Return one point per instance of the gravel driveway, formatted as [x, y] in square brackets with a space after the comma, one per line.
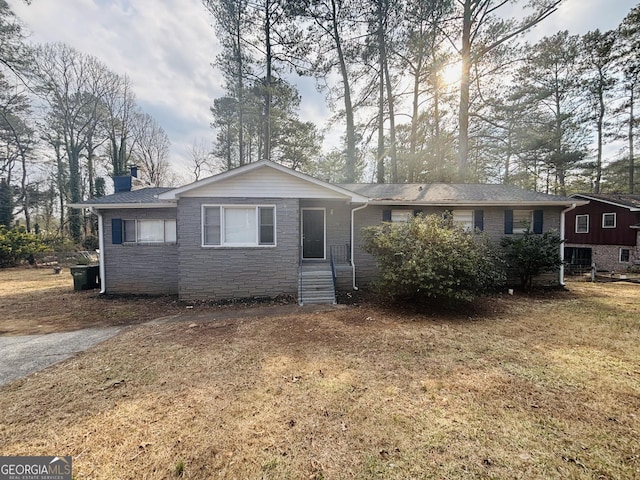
[22, 355]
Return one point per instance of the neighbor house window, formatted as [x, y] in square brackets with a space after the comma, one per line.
[149, 231]
[238, 225]
[582, 223]
[464, 219]
[624, 255]
[522, 220]
[400, 216]
[608, 220]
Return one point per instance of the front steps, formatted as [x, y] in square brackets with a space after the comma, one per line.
[315, 284]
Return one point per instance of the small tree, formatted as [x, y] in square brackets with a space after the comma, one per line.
[532, 254]
[429, 257]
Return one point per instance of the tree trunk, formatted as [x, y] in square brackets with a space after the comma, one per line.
[600, 121]
[392, 122]
[465, 78]
[631, 152]
[380, 173]
[267, 86]
[350, 164]
[240, 87]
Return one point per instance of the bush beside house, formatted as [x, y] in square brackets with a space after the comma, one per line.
[430, 258]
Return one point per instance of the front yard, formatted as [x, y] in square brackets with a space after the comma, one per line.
[524, 387]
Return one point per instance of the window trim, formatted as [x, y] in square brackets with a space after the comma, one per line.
[620, 250]
[615, 220]
[588, 221]
[222, 244]
[137, 231]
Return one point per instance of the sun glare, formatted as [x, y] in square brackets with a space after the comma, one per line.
[450, 74]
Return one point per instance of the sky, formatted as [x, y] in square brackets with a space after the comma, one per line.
[166, 47]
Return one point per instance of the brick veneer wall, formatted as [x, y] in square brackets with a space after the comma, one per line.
[140, 269]
[214, 273]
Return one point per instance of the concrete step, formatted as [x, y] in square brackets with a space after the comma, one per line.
[316, 286]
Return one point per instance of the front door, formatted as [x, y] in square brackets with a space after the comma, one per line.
[313, 233]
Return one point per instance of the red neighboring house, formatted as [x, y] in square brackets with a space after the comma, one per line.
[606, 231]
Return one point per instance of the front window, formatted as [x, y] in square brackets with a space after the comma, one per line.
[401, 216]
[149, 231]
[608, 220]
[463, 219]
[522, 220]
[238, 226]
[582, 223]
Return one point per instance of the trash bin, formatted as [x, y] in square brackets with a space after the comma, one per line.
[85, 277]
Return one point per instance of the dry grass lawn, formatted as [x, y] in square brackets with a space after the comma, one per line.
[37, 301]
[525, 387]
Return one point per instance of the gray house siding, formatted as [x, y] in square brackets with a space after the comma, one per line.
[141, 269]
[215, 273]
[366, 269]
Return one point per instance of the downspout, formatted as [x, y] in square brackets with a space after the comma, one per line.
[562, 237]
[353, 263]
[103, 283]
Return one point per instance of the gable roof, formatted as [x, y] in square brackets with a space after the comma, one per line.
[143, 198]
[282, 182]
[444, 194]
[624, 200]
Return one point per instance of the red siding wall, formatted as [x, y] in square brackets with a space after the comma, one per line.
[621, 235]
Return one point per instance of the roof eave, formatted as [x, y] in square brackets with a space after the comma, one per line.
[468, 203]
[111, 206]
[609, 202]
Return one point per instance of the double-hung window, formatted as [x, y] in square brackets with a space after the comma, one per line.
[463, 219]
[238, 225]
[401, 215]
[582, 223]
[608, 220]
[522, 220]
[149, 231]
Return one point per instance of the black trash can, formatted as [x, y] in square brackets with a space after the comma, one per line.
[85, 277]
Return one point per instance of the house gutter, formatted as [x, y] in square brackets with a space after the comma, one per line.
[562, 237]
[353, 263]
[103, 283]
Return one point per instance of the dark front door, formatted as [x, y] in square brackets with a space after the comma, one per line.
[313, 234]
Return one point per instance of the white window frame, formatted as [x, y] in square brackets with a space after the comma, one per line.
[467, 226]
[586, 215]
[223, 244]
[517, 229]
[615, 220]
[401, 215]
[138, 221]
[628, 255]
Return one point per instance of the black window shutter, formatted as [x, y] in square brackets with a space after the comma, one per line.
[478, 220]
[537, 221]
[386, 215]
[508, 221]
[116, 231]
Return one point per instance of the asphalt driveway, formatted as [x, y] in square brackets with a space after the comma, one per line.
[22, 355]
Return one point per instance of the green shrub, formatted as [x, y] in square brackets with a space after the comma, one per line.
[430, 258]
[16, 245]
[531, 254]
